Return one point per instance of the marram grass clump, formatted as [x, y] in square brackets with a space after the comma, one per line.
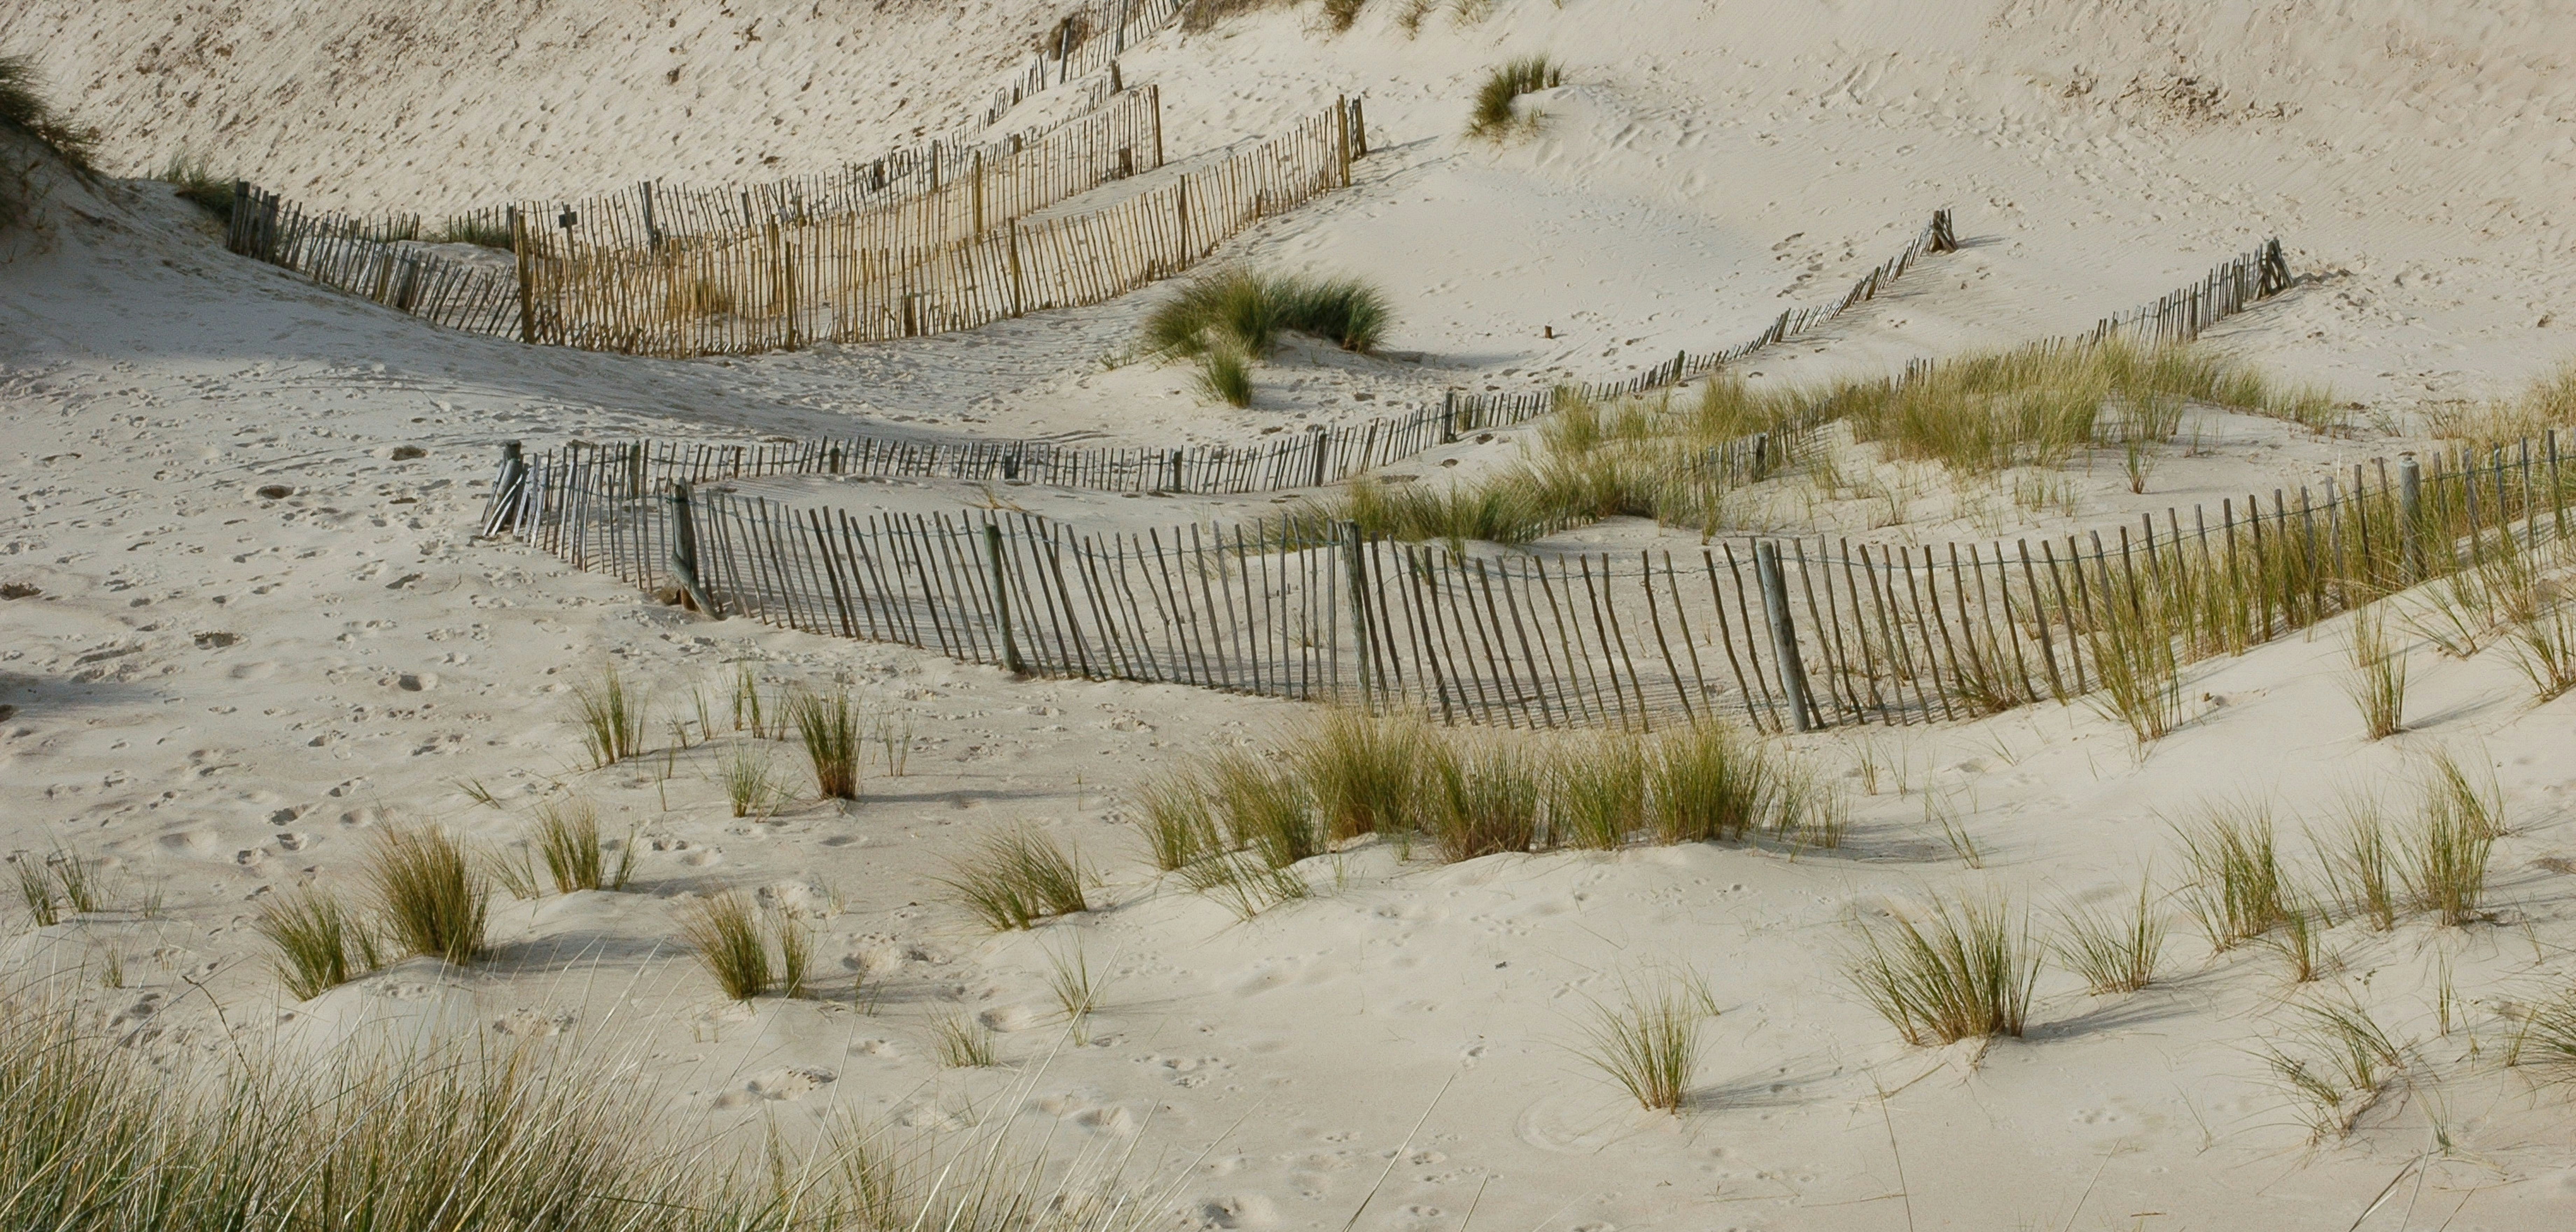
[1246, 311]
[1954, 971]
[1496, 113]
[428, 895]
[1468, 795]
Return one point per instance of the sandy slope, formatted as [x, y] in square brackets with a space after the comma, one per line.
[225, 692]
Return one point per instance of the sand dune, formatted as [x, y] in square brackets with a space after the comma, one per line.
[251, 626]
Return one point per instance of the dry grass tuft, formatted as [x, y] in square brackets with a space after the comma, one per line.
[1244, 312]
[1077, 988]
[1596, 794]
[2337, 1061]
[2446, 863]
[2238, 890]
[1649, 1042]
[1015, 879]
[1366, 774]
[830, 727]
[1265, 806]
[1245, 883]
[1965, 971]
[612, 718]
[1712, 783]
[1225, 375]
[961, 1041]
[1484, 800]
[319, 945]
[468, 1138]
[25, 110]
[568, 838]
[2377, 684]
[198, 185]
[724, 930]
[750, 781]
[429, 896]
[2114, 954]
[1495, 114]
[2362, 864]
[1173, 812]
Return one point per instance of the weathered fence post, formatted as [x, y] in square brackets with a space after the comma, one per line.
[1784, 635]
[1342, 125]
[2557, 492]
[527, 273]
[1359, 128]
[652, 233]
[1173, 482]
[684, 551]
[1943, 240]
[2410, 506]
[1019, 305]
[506, 488]
[1002, 600]
[1449, 417]
[1358, 570]
[1317, 437]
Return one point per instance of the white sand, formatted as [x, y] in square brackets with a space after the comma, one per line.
[224, 693]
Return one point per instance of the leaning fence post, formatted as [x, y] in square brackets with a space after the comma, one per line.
[684, 551]
[1784, 636]
[1002, 600]
[1352, 564]
[2410, 506]
[506, 488]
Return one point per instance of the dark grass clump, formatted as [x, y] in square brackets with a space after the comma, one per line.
[1495, 115]
[198, 185]
[1225, 375]
[25, 110]
[473, 229]
[1247, 311]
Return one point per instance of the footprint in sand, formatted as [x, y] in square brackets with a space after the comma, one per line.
[1240, 1211]
[790, 1083]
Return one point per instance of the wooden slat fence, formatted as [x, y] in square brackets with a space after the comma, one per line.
[940, 195]
[842, 278]
[1786, 633]
[1085, 41]
[1509, 408]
